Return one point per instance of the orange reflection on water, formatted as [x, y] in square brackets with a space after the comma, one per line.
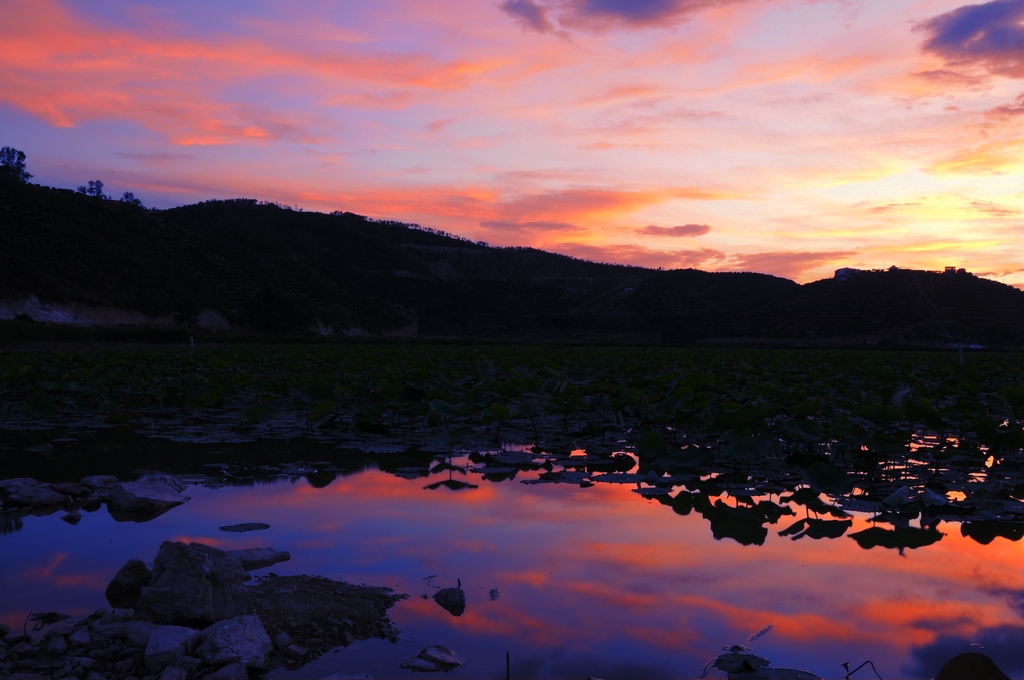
[48, 569]
[54, 575]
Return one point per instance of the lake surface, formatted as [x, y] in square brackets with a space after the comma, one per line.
[597, 581]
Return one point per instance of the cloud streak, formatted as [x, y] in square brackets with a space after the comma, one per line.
[682, 231]
[600, 15]
[529, 14]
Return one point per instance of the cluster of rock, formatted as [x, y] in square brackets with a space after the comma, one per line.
[188, 617]
[118, 645]
[135, 501]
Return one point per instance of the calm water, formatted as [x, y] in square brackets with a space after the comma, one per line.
[593, 581]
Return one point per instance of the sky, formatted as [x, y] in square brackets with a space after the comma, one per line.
[789, 137]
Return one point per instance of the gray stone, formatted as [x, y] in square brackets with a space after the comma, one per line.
[80, 637]
[194, 584]
[258, 558]
[241, 639]
[108, 631]
[145, 499]
[452, 599]
[234, 671]
[138, 632]
[432, 659]
[94, 500]
[282, 640]
[124, 665]
[172, 673]
[167, 644]
[441, 656]
[98, 481]
[59, 629]
[124, 589]
[57, 646]
[24, 492]
[69, 489]
[416, 664]
[62, 672]
[189, 664]
[21, 649]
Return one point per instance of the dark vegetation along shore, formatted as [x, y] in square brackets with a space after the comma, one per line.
[264, 267]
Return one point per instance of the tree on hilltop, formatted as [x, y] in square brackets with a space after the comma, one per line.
[12, 165]
[130, 199]
[95, 189]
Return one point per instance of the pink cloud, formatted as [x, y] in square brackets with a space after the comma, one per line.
[682, 231]
[787, 264]
[625, 253]
[531, 231]
[945, 77]
[597, 15]
[1008, 111]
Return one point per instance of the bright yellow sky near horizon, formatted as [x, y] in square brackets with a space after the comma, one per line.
[790, 137]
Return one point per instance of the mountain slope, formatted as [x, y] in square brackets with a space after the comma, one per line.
[265, 266]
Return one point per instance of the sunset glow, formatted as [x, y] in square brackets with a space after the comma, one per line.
[787, 137]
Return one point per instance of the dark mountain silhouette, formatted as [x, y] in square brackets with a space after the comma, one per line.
[269, 267]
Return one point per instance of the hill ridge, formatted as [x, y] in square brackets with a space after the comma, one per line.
[265, 266]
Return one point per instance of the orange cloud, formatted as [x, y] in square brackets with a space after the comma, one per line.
[994, 158]
[575, 205]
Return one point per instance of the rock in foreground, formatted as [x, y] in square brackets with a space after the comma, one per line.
[252, 559]
[317, 613]
[145, 499]
[194, 585]
[433, 659]
[452, 599]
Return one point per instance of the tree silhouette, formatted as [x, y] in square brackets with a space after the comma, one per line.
[130, 199]
[95, 189]
[12, 165]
